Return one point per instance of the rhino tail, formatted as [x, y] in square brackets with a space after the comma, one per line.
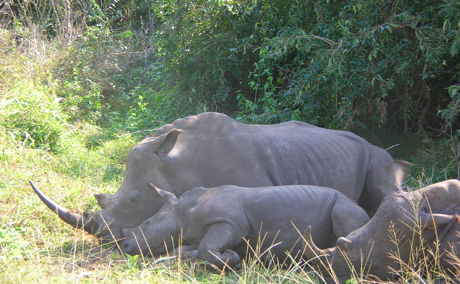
[400, 169]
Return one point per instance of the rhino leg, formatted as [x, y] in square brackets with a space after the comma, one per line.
[347, 216]
[186, 252]
[213, 247]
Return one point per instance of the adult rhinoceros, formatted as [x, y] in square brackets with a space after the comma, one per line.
[212, 149]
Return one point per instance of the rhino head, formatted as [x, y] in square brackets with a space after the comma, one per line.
[158, 233]
[148, 162]
[401, 223]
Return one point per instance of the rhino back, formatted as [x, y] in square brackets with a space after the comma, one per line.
[219, 124]
[207, 122]
[215, 149]
[279, 213]
[269, 211]
[272, 156]
[215, 123]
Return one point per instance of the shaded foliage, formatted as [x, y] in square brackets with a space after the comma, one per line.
[333, 63]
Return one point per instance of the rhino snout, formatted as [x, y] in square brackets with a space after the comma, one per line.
[130, 248]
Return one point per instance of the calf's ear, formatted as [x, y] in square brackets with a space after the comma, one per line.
[103, 199]
[168, 196]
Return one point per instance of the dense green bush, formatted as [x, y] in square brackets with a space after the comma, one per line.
[333, 63]
[206, 50]
[437, 161]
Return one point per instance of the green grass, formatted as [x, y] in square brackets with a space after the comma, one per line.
[36, 246]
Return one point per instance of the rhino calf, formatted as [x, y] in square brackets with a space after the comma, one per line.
[404, 229]
[221, 222]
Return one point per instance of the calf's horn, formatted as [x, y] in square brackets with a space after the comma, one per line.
[430, 220]
[76, 220]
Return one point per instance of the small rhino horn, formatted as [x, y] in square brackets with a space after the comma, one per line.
[343, 243]
[430, 220]
[103, 199]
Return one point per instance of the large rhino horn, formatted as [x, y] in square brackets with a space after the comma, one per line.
[76, 220]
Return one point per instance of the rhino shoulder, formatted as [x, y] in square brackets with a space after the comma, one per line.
[207, 123]
[193, 194]
[296, 123]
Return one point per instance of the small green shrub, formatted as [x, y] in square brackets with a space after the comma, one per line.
[435, 162]
[117, 148]
[103, 161]
[451, 112]
[32, 115]
[12, 243]
[81, 101]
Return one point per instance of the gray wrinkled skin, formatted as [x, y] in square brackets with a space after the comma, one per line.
[212, 149]
[431, 211]
[214, 221]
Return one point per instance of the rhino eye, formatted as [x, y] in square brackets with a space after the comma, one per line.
[134, 197]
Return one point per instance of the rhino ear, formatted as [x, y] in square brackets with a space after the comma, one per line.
[431, 220]
[103, 199]
[344, 244]
[168, 196]
[166, 142]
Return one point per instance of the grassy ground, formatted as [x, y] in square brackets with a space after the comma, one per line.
[38, 247]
